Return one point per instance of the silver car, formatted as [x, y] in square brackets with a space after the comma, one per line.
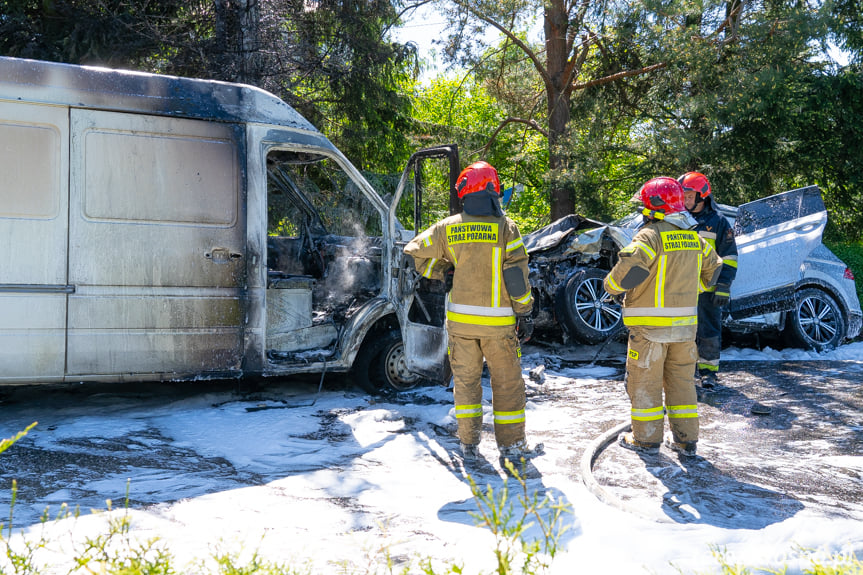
[787, 280]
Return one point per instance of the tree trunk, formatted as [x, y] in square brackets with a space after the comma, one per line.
[250, 42]
[558, 92]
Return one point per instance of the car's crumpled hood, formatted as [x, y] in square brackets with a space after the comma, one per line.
[579, 234]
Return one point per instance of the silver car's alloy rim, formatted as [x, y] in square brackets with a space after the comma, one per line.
[818, 319]
[594, 306]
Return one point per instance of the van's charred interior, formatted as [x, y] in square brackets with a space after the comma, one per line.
[324, 255]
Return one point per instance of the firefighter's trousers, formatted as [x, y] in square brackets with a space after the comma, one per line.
[503, 356]
[709, 338]
[651, 368]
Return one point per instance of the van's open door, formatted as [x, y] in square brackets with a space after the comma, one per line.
[774, 236]
[425, 194]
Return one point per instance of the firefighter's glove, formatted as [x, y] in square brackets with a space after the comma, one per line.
[617, 298]
[524, 328]
[721, 295]
[447, 278]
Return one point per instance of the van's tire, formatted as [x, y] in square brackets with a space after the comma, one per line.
[380, 365]
[584, 309]
[816, 322]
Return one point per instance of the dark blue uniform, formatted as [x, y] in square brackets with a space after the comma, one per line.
[716, 230]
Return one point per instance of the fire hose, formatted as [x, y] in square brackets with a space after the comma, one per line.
[590, 456]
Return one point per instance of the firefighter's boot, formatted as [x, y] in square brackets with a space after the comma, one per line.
[469, 451]
[628, 441]
[684, 448]
[708, 379]
[518, 451]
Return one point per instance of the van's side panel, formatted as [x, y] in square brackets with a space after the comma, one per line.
[34, 152]
[157, 245]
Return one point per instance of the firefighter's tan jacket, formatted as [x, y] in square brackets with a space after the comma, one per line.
[662, 271]
[481, 249]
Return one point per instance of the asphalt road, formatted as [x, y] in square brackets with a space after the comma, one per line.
[752, 470]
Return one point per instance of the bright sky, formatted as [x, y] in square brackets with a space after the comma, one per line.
[422, 27]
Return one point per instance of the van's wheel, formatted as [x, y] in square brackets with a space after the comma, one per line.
[584, 309]
[816, 322]
[380, 366]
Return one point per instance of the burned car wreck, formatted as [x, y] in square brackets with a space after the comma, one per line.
[788, 282]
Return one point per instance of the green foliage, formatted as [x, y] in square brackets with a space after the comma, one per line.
[107, 32]
[838, 564]
[464, 112]
[117, 551]
[513, 552]
[852, 255]
[846, 26]
[7, 443]
[330, 59]
[230, 563]
[353, 80]
[828, 153]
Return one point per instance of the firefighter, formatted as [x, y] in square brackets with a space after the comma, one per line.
[488, 309]
[716, 230]
[661, 272]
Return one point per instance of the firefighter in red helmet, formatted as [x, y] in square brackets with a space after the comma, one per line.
[661, 272]
[715, 229]
[488, 309]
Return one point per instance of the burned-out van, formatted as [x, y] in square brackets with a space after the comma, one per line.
[162, 228]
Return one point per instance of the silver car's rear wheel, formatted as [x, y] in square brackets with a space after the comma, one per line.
[817, 321]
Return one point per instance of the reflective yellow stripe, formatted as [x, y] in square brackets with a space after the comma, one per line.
[649, 414]
[514, 244]
[660, 321]
[495, 277]
[452, 253]
[639, 246]
[682, 411]
[482, 310]
[646, 249]
[613, 284]
[480, 319]
[701, 286]
[706, 364]
[466, 411]
[730, 261]
[503, 417]
[660, 282]
[525, 299]
[427, 242]
[429, 268]
[661, 311]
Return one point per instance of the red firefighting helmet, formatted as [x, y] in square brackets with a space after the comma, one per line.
[663, 195]
[695, 182]
[477, 177]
